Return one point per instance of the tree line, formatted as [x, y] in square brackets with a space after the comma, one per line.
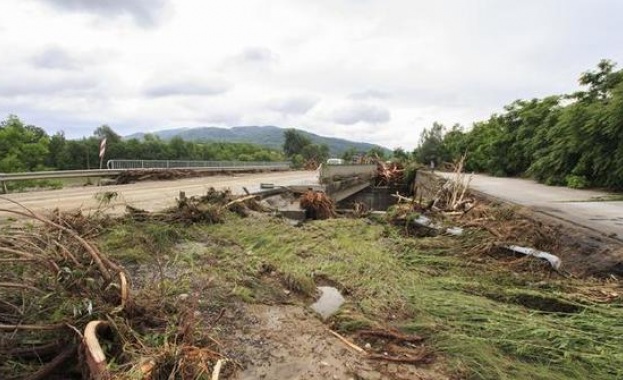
[29, 148]
[573, 139]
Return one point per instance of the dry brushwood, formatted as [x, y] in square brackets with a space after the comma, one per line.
[137, 175]
[317, 205]
[60, 294]
[208, 208]
[65, 282]
[452, 194]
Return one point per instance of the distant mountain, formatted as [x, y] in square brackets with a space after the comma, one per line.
[268, 136]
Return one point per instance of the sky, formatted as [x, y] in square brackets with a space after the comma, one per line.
[366, 70]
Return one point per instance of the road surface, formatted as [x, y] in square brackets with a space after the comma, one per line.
[149, 195]
[576, 206]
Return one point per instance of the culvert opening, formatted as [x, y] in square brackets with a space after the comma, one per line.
[374, 198]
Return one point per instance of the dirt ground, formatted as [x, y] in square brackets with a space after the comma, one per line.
[472, 309]
[291, 342]
[148, 195]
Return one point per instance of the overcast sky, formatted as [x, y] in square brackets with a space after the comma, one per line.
[367, 70]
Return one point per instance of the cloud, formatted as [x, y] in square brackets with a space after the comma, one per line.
[146, 13]
[361, 112]
[11, 86]
[296, 105]
[253, 57]
[54, 58]
[369, 94]
[187, 86]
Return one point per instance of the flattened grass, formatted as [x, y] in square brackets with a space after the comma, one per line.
[487, 321]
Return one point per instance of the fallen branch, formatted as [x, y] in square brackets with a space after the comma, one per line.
[348, 343]
[20, 286]
[46, 370]
[40, 351]
[403, 198]
[57, 326]
[241, 200]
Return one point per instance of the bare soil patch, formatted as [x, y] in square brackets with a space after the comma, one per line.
[290, 342]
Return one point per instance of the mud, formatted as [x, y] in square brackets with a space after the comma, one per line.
[289, 342]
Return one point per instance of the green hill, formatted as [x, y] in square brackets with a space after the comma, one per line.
[268, 136]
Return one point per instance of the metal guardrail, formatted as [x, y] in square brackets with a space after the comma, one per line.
[58, 174]
[118, 166]
[174, 164]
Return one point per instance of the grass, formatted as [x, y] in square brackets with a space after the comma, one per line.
[488, 322]
[485, 321]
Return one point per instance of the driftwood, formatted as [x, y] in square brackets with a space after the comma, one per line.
[452, 194]
[242, 200]
[403, 198]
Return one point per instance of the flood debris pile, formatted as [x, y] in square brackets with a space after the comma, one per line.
[132, 176]
[67, 311]
[508, 233]
[389, 174]
[317, 205]
[138, 175]
[208, 208]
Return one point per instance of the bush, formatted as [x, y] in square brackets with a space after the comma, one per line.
[576, 181]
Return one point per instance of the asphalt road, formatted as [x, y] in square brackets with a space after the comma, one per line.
[572, 205]
[149, 195]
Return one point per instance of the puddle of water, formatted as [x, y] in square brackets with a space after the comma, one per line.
[329, 302]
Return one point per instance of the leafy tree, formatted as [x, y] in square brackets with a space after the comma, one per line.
[454, 143]
[315, 152]
[376, 152]
[431, 147]
[294, 142]
[574, 140]
[22, 147]
[349, 154]
[106, 131]
[399, 154]
[57, 151]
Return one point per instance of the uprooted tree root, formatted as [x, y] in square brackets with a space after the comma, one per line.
[389, 174]
[60, 295]
[317, 205]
